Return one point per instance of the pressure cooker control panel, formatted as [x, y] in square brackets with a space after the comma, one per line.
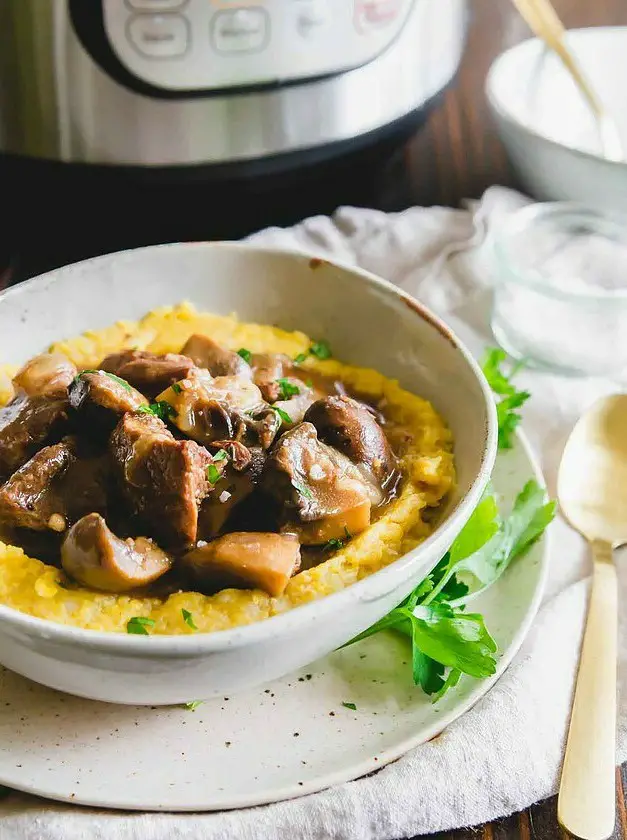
[195, 45]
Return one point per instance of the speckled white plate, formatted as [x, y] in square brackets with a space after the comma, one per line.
[283, 740]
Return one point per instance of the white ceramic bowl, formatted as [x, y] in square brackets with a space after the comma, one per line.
[546, 127]
[367, 321]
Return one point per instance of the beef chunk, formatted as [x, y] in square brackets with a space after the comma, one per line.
[48, 374]
[163, 479]
[351, 427]
[92, 555]
[99, 401]
[237, 483]
[26, 424]
[322, 493]
[206, 354]
[245, 560]
[55, 488]
[148, 372]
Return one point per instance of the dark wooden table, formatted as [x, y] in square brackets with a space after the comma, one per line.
[469, 158]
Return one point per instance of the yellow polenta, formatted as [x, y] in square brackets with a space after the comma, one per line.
[29, 585]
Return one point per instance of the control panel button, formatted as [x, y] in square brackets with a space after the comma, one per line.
[312, 17]
[240, 30]
[373, 14]
[159, 36]
[156, 5]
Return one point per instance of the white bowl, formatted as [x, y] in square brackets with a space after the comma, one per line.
[368, 322]
[547, 129]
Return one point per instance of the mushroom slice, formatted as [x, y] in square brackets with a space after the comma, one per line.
[246, 560]
[48, 374]
[100, 399]
[350, 427]
[323, 494]
[208, 409]
[205, 353]
[95, 557]
[267, 369]
[298, 398]
[148, 372]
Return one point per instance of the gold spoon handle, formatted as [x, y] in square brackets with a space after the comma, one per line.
[586, 806]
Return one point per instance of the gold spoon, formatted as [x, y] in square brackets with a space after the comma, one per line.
[592, 490]
[544, 21]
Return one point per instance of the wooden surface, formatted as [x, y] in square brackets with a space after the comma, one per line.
[460, 138]
[468, 158]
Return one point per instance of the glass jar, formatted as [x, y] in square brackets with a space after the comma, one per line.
[560, 297]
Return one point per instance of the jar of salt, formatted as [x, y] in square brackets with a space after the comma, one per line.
[560, 298]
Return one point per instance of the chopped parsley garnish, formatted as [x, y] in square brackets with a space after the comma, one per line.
[193, 705]
[221, 455]
[213, 474]
[285, 417]
[304, 491]
[501, 383]
[115, 378]
[245, 354]
[336, 543]
[161, 409]
[118, 379]
[319, 349]
[137, 625]
[177, 388]
[350, 706]
[287, 389]
[188, 619]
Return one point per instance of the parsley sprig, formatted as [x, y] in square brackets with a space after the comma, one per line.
[501, 383]
[447, 640]
[443, 634]
[245, 354]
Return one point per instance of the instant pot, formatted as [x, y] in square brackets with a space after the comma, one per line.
[130, 122]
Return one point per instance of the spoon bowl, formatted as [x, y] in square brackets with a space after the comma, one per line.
[592, 481]
[592, 490]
